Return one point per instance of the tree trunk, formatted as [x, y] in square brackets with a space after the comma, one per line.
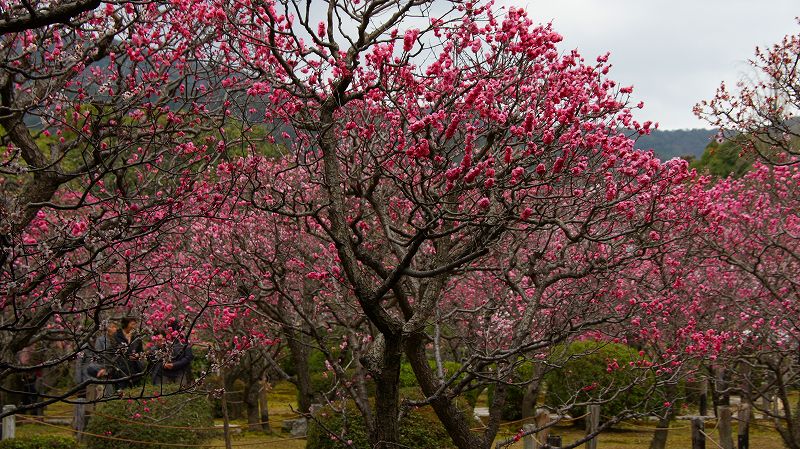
[531, 396]
[453, 420]
[251, 402]
[713, 391]
[659, 440]
[226, 431]
[232, 402]
[703, 405]
[725, 427]
[263, 406]
[721, 387]
[386, 432]
[299, 354]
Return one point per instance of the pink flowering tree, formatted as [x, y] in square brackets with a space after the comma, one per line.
[287, 283]
[426, 147]
[548, 287]
[764, 106]
[754, 233]
[682, 326]
[755, 227]
[249, 270]
[106, 114]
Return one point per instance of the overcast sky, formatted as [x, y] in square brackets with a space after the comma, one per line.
[675, 52]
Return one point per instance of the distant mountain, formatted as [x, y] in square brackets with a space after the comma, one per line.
[677, 143]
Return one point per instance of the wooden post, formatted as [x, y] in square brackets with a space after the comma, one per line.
[703, 398]
[592, 423]
[724, 427]
[9, 423]
[744, 427]
[698, 437]
[537, 440]
[528, 441]
[79, 418]
[226, 428]
[554, 442]
[766, 406]
[722, 387]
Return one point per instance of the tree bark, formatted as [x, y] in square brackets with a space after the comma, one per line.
[226, 431]
[264, 406]
[529, 400]
[386, 428]
[299, 354]
[659, 440]
[251, 393]
[232, 408]
[452, 418]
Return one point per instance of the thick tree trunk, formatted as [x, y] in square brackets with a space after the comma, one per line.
[721, 386]
[659, 440]
[453, 420]
[226, 431]
[264, 406]
[251, 402]
[713, 390]
[232, 396]
[703, 405]
[532, 393]
[386, 431]
[299, 354]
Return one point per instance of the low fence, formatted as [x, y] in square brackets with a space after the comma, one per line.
[534, 435]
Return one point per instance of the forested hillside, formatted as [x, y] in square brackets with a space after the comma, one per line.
[677, 143]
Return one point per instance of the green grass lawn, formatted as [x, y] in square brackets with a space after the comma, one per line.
[630, 437]
[282, 403]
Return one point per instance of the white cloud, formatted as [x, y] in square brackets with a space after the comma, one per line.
[675, 52]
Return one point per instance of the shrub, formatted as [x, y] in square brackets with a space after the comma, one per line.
[515, 394]
[419, 429]
[40, 442]
[512, 407]
[321, 381]
[408, 379]
[181, 418]
[586, 373]
[200, 363]
[234, 393]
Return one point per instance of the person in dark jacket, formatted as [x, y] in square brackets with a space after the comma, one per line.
[105, 359]
[97, 371]
[106, 344]
[130, 347]
[175, 366]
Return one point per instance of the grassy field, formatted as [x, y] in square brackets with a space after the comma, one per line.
[630, 437]
[282, 402]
